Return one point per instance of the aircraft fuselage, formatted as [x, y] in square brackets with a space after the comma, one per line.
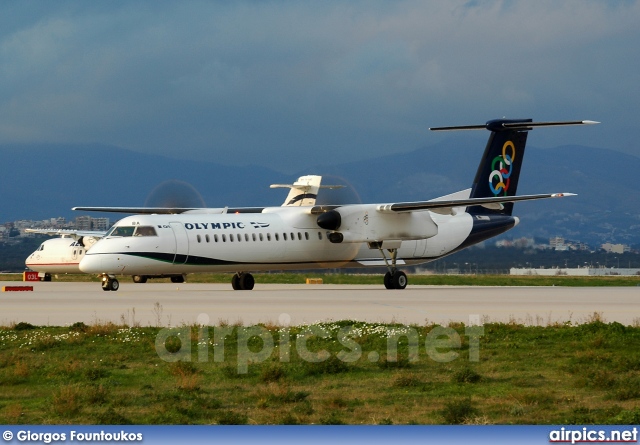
[276, 239]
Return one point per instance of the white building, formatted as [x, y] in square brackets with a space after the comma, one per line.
[580, 271]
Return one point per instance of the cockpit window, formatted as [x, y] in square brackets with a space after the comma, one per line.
[122, 231]
[145, 231]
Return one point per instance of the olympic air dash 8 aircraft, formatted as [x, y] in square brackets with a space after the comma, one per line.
[304, 235]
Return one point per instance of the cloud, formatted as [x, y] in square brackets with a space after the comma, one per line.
[292, 85]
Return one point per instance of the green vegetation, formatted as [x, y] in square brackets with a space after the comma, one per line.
[110, 374]
[362, 279]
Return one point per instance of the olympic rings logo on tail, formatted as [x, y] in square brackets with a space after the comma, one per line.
[502, 166]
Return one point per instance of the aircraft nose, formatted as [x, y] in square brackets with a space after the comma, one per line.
[90, 264]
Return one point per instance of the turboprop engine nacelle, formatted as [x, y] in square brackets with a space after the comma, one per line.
[88, 241]
[361, 224]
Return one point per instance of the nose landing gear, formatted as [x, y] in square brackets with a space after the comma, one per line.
[110, 283]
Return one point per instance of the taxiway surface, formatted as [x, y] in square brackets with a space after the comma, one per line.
[165, 304]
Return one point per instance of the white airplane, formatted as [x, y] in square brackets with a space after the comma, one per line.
[63, 254]
[293, 237]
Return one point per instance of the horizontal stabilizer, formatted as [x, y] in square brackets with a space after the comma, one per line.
[304, 191]
[504, 124]
[491, 203]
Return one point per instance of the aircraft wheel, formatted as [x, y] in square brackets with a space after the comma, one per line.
[242, 281]
[139, 279]
[177, 279]
[388, 281]
[246, 281]
[110, 284]
[47, 277]
[235, 282]
[399, 280]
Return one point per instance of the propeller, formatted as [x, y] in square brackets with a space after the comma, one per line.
[337, 196]
[174, 193]
[331, 220]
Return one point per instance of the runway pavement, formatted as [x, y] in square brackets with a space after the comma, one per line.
[165, 304]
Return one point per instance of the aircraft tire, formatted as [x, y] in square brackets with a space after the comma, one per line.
[246, 281]
[139, 279]
[388, 281]
[399, 280]
[115, 285]
[177, 279]
[235, 282]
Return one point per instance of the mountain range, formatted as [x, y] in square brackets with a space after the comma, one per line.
[43, 181]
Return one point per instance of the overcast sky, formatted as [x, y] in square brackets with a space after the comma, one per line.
[295, 84]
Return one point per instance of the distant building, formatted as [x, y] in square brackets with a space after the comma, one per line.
[83, 222]
[519, 243]
[89, 223]
[615, 248]
[100, 224]
[579, 271]
[557, 243]
[560, 244]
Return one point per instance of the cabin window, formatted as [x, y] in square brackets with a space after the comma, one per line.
[224, 238]
[206, 238]
[319, 235]
[145, 231]
[284, 236]
[268, 237]
[231, 237]
[299, 236]
[260, 235]
[253, 236]
[246, 237]
[306, 236]
[198, 238]
[215, 238]
[122, 231]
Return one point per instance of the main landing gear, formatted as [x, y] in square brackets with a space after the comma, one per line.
[242, 281]
[110, 282]
[394, 278]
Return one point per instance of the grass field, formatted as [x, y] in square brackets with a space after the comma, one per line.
[343, 278]
[510, 374]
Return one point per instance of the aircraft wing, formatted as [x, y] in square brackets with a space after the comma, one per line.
[169, 210]
[68, 232]
[135, 210]
[445, 206]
